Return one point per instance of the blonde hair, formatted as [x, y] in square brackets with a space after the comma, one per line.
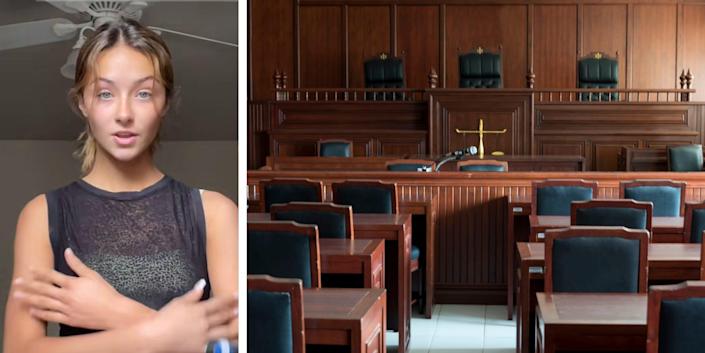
[136, 36]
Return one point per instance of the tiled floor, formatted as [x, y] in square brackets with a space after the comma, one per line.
[460, 328]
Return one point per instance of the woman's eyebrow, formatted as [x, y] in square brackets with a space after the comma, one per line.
[111, 82]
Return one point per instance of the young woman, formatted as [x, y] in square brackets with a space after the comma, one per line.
[114, 256]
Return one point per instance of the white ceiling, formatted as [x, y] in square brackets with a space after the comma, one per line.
[33, 103]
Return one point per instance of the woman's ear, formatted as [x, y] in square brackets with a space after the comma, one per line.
[82, 107]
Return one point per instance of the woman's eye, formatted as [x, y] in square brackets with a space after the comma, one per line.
[105, 95]
[144, 95]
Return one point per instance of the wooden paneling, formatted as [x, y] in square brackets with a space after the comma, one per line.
[369, 33]
[463, 110]
[599, 132]
[418, 42]
[555, 45]
[332, 45]
[270, 22]
[322, 46]
[694, 45]
[653, 56]
[604, 28]
[468, 26]
[258, 119]
[368, 143]
[350, 116]
[471, 219]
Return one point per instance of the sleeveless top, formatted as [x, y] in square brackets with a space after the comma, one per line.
[149, 245]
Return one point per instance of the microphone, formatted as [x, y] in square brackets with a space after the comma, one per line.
[456, 155]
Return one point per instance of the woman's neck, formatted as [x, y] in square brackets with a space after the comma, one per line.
[117, 176]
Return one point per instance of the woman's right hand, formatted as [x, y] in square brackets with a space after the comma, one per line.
[186, 325]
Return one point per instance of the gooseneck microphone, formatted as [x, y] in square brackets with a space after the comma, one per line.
[456, 155]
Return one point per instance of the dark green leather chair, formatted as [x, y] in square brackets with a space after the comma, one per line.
[288, 190]
[553, 197]
[694, 223]
[384, 71]
[667, 196]
[482, 165]
[598, 71]
[596, 259]
[284, 250]
[480, 69]
[675, 318]
[371, 196]
[367, 196]
[409, 165]
[685, 158]
[333, 221]
[334, 148]
[612, 212]
[275, 322]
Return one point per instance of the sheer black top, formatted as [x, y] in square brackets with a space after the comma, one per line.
[149, 244]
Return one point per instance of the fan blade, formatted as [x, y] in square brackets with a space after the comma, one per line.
[26, 34]
[66, 6]
[134, 6]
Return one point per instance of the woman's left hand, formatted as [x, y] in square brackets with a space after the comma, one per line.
[86, 301]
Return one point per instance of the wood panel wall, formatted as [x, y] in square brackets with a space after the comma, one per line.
[323, 43]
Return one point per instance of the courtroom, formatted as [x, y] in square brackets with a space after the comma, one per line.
[475, 176]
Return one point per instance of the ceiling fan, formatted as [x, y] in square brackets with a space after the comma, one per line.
[92, 13]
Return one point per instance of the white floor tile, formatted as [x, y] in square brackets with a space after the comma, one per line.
[460, 329]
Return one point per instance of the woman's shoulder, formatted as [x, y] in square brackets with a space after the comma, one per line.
[34, 212]
[216, 201]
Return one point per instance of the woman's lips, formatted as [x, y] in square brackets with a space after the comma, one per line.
[125, 139]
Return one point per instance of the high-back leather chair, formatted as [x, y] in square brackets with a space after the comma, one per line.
[612, 212]
[334, 148]
[288, 190]
[596, 259]
[694, 223]
[480, 69]
[667, 196]
[688, 158]
[384, 71]
[482, 165]
[333, 221]
[598, 71]
[275, 320]
[409, 165]
[367, 196]
[284, 250]
[675, 318]
[553, 197]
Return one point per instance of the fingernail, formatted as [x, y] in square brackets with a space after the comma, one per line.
[19, 294]
[18, 280]
[200, 284]
[69, 251]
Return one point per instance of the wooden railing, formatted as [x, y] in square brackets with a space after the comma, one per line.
[351, 95]
[598, 95]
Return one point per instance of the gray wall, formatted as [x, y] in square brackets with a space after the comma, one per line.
[31, 167]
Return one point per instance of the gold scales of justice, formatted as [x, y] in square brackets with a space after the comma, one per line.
[481, 131]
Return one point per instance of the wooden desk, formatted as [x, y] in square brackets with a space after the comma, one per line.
[364, 257]
[592, 322]
[666, 229]
[524, 163]
[427, 210]
[672, 262]
[346, 317]
[395, 229]
[472, 225]
[418, 208]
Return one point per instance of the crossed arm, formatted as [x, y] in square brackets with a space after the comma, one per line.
[40, 294]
